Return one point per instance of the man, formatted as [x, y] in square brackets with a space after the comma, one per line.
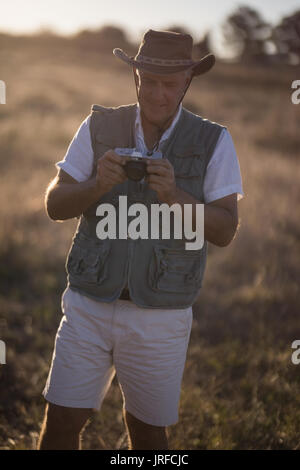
[128, 303]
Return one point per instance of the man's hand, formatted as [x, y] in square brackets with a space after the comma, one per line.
[110, 171]
[161, 178]
[67, 198]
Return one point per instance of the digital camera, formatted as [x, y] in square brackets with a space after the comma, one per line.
[136, 167]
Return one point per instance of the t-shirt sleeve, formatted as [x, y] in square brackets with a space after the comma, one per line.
[79, 158]
[223, 175]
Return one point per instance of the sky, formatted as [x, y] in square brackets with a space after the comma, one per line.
[134, 16]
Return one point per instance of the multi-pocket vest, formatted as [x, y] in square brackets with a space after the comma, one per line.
[160, 273]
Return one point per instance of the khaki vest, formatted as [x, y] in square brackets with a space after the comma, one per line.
[159, 273]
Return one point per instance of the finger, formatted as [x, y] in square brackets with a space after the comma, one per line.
[161, 183]
[114, 167]
[159, 162]
[113, 157]
[107, 169]
[158, 170]
[163, 179]
[155, 164]
[112, 176]
[106, 166]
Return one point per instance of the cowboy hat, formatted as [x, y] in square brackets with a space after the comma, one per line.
[166, 52]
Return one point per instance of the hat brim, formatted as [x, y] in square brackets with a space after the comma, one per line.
[199, 67]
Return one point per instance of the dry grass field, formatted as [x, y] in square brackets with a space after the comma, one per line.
[240, 389]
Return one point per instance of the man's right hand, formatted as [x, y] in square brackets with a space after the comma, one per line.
[67, 198]
[110, 171]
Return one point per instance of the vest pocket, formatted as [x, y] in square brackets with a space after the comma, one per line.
[87, 260]
[175, 270]
[189, 173]
[188, 167]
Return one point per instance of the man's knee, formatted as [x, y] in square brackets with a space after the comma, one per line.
[143, 435]
[62, 419]
[141, 426]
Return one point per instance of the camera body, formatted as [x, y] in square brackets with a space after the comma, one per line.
[136, 166]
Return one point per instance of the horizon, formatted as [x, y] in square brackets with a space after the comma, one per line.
[71, 18]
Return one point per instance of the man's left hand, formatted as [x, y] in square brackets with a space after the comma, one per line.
[161, 178]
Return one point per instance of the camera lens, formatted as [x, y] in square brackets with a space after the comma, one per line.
[136, 169]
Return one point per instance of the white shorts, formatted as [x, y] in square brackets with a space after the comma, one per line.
[146, 348]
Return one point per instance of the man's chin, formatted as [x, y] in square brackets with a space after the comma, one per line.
[156, 118]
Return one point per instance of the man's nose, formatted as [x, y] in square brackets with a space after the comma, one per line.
[158, 93]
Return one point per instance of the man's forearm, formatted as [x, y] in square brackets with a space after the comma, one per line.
[219, 227]
[67, 200]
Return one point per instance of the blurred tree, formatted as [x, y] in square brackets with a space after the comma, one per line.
[103, 39]
[203, 47]
[246, 33]
[113, 34]
[178, 29]
[286, 35]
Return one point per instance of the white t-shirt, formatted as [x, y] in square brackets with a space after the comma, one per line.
[222, 176]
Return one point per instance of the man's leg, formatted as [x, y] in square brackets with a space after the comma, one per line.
[142, 436]
[62, 426]
[149, 357]
[81, 370]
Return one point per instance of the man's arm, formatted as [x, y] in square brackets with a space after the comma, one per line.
[220, 217]
[221, 220]
[67, 198]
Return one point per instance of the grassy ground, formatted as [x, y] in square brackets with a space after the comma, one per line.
[240, 389]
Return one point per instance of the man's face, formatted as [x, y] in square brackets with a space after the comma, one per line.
[159, 94]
